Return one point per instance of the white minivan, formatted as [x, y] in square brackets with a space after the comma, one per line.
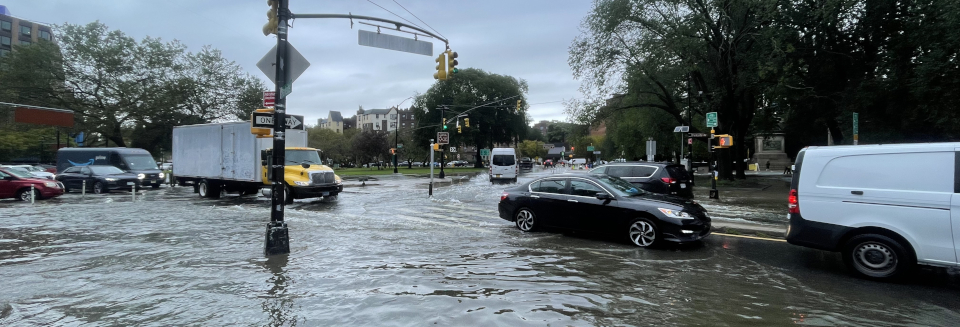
[503, 164]
[884, 207]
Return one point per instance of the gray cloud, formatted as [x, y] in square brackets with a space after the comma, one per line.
[524, 39]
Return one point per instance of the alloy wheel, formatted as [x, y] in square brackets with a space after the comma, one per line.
[525, 220]
[643, 233]
[25, 195]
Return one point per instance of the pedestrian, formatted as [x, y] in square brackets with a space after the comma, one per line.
[786, 169]
[768, 165]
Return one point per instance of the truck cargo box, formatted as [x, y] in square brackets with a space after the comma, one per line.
[223, 151]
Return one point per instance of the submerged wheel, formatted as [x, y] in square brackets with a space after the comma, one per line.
[208, 189]
[526, 221]
[877, 257]
[99, 188]
[24, 195]
[643, 233]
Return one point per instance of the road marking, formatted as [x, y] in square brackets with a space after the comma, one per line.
[751, 237]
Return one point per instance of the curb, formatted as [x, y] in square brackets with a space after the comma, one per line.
[769, 231]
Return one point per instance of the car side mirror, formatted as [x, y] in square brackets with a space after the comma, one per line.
[604, 196]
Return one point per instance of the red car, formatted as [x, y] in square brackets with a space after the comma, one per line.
[14, 184]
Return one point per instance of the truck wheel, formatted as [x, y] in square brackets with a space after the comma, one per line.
[208, 189]
[877, 257]
[287, 195]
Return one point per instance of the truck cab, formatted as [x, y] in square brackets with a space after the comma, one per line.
[304, 175]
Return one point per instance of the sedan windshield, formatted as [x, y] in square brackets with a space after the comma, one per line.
[619, 186]
[19, 172]
[302, 156]
[105, 170]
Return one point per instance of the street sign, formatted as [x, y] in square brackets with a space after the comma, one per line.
[400, 146]
[443, 138]
[265, 120]
[590, 148]
[712, 119]
[298, 64]
[484, 152]
[681, 129]
[596, 152]
[268, 98]
[698, 135]
[393, 42]
[453, 149]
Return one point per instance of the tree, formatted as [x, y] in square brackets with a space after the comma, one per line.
[500, 122]
[370, 146]
[532, 149]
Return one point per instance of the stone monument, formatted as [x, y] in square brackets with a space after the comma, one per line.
[770, 148]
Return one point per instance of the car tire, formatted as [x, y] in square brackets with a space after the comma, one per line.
[207, 189]
[287, 194]
[99, 188]
[643, 232]
[878, 257]
[526, 220]
[24, 195]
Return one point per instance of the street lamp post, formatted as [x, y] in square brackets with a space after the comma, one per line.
[396, 136]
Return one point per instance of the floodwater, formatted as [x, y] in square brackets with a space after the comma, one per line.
[386, 255]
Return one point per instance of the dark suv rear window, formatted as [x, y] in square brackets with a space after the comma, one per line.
[503, 160]
[677, 172]
[631, 171]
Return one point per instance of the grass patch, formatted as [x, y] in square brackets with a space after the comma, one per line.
[403, 170]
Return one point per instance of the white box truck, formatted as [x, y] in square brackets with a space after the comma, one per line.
[226, 157]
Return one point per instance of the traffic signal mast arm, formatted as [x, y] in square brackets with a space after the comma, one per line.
[352, 17]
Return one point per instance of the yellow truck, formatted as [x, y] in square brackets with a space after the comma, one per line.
[220, 158]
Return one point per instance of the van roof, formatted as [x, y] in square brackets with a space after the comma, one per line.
[883, 148]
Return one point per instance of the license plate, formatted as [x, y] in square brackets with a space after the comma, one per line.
[153, 181]
[498, 175]
[683, 185]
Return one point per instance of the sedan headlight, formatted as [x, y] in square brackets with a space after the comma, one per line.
[675, 213]
[110, 179]
[141, 176]
[299, 183]
[50, 184]
[160, 175]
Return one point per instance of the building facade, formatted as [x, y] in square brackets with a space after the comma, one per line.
[333, 122]
[377, 119]
[15, 31]
[406, 119]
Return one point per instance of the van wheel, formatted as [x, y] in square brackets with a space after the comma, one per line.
[208, 189]
[878, 257]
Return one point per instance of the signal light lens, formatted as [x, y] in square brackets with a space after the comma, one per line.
[503, 196]
[668, 180]
[793, 202]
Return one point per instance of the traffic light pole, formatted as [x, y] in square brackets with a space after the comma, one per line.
[442, 153]
[277, 239]
[714, 193]
[396, 140]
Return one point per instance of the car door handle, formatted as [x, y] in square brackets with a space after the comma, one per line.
[856, 192]
[572, 200]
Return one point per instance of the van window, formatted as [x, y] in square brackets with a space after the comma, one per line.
[504, 160]
[933, 172]
[642, 171]
[618, 171]
[140, 161]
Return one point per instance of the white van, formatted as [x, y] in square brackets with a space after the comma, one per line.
[503, 164]
[884, 207]
[578, 161]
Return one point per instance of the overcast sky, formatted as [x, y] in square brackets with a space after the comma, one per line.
[521, 38]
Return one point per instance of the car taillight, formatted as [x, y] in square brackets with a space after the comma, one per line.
[668, 180]
[503, 196]
[793, 202]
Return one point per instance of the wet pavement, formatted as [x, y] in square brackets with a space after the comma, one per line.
[387, 255]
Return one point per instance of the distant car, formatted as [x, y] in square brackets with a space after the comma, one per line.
[48, 168]
[665, 178]
[603, 204]
[166, 166]
[98, 178]
[526, 163]
[417, 164]
[35, 171]
[548, 163]
[503, 165]
[16, 184]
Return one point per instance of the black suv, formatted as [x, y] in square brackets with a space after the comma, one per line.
[526, 163]
[657, 177]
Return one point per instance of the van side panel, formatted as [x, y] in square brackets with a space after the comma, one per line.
[69, 157]
[955, 206]
[906, 192]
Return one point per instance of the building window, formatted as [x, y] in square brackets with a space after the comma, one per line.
[393, 116]
[22, 42]
[393, 125]
[5, 25]
[25, 30]
[378, 116]
[5, 40]
[45, 35]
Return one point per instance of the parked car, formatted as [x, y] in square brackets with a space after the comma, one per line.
[856, 200]
[99, 178]
[665, 178]
[166, 166]
[526, 163]
[503, 166]
[48, 168]
[132, 160]
[16, 184]
[604, 204]
[34, 170]
[417, 164]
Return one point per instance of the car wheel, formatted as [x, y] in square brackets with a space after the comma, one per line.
[207, 189]
[643, 233]
[24, 195]
[526, 221]
[877, 257]
[99, 188]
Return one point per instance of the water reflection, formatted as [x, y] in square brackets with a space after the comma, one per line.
[277, 303]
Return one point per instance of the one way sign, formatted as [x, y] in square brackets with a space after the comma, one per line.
[265, 120]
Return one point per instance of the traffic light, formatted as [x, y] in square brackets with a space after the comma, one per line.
[444, 123]
[441, 73]
[573, 148]
[518, 105]
[459, 129]
[260, 132]
[436, 147]
[272, 19]
[452, 63]
[724, 141]
[466, 121]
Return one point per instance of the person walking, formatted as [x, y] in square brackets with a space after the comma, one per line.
[768, 165]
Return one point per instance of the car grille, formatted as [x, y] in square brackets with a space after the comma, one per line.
[322, 177]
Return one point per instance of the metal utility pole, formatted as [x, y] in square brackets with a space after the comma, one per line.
[443, 126]
[431, 167]
[714, 193]
[396, 140]
[277, 240]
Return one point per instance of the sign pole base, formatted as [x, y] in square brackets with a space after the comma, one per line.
[277, 239]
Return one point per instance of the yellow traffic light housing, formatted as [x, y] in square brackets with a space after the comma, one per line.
[724, 141]
[452, 63]
[518, 105]
[436, 147]
[459, 129]
[441, 73]
[272, 19]
[260, 132]
[466, 121]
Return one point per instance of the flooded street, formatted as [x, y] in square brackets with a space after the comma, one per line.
[387, 255]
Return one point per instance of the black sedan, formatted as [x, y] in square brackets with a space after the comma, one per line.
[98, 178]
[604, 204]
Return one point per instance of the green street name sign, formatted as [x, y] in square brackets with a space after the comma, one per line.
[712, 119]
